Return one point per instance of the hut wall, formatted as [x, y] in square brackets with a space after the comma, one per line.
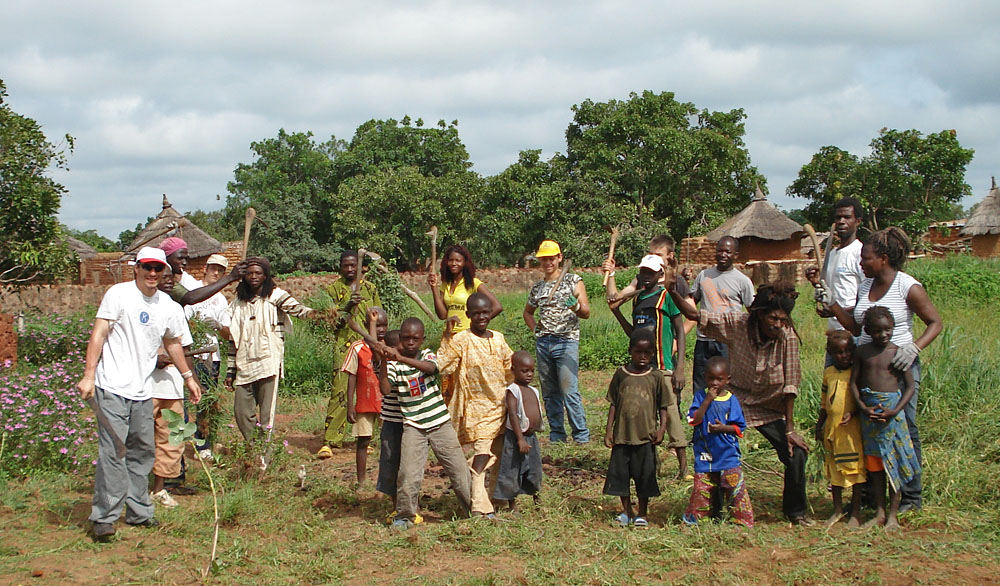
[752, 248]
[943, 234]
[8, 340]
[104, 269]
[986, 245]
[697, 250]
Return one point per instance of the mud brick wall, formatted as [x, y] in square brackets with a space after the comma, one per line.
[986, 245]
[8, 340]
[696, 251]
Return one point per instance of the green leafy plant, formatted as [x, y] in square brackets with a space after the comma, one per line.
[181, 432]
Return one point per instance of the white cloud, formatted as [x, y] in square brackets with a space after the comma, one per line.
[167, 96]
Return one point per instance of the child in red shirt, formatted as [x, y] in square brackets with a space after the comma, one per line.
[364, 401]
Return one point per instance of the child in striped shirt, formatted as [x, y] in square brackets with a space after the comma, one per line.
[412, 375]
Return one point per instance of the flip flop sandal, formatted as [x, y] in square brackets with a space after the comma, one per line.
[640, 522]
[623, 520]
[324, 453]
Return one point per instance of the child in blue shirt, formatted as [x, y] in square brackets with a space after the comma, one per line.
[718, 424]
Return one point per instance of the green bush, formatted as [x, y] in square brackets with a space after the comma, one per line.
[958, 277]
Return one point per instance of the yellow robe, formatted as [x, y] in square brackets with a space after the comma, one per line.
[480, 368]
[843, 448]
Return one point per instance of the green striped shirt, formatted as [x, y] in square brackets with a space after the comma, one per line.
[419, 394]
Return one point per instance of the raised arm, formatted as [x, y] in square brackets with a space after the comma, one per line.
[846, 318]
[684, 304]
[202, 293]
[494, 302]
[435, 284]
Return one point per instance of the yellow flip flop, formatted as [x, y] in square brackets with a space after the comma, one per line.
[324, 453]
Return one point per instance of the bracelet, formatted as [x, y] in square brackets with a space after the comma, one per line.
[187, 374]
[788, 433]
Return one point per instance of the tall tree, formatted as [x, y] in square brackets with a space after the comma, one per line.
[287, 184]
[908, 179]
[30, 246]
[664, 158]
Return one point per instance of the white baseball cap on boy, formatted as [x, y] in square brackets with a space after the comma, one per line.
[652, 262]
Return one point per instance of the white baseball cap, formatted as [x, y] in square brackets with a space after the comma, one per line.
[151, 254]
[218, 259]
[652, 262]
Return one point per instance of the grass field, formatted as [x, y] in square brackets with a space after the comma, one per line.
[333, 532]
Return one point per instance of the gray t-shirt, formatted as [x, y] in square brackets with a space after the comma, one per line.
[553, 318]
[722, 292]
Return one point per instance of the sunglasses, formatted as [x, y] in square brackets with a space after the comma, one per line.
[152, 267]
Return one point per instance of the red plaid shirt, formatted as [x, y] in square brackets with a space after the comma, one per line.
[763, 373]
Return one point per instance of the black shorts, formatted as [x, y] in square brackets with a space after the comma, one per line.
[518, 473]
[388, 457]
[635, 463]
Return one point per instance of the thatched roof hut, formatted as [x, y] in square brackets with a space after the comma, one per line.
[81, 249]
[764, 232]
[984, 225]
[169, 222]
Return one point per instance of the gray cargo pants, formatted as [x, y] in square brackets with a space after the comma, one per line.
[123, 480]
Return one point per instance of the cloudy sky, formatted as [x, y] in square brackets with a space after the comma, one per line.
[165, 97]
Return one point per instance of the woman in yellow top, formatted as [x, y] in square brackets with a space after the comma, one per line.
[458, 281]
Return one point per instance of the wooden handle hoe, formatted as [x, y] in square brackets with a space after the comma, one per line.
[433, 233]
[611, 254]
[562, 275]
[817, 253]
[361, 273]
[251, 214]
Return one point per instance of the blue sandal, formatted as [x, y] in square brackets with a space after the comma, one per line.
[623, 520]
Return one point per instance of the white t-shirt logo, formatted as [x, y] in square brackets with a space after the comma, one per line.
[143, 317]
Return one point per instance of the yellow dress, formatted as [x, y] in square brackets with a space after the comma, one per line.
[455, 302]
[843, 448]
[480, 369]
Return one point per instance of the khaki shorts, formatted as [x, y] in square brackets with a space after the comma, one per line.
[168, 456]
[364, 424]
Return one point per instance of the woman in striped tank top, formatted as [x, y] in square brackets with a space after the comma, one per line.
[885, 284]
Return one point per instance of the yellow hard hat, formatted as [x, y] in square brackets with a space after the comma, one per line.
[548, 248]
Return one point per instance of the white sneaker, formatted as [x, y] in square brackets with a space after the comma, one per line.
[206, 455]
[163, 497]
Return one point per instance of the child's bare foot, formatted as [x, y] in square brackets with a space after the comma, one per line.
[892, 525]
[877, 521]
[854, 523]
[834, 518]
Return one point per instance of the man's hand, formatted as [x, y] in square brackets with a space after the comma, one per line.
[194, 389]
[86, 387]
[794, 439]
[812, 275]
[677, 380]
[608, 266]
[572, 303]
[238, 271]
[356, 300]
[523, 446]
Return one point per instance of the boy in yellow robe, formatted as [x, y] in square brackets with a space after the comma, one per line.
[478, 359]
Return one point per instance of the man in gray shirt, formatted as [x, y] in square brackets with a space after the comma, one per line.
[719, 289]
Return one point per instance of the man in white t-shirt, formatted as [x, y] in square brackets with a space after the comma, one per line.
[133, 321]
[843, 269]
[719, 289]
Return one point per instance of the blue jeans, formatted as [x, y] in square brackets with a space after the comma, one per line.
[912, 490]
[558, 364]
[703, 350]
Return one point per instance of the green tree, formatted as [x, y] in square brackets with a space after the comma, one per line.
[287, 184]
[664, 159]
[30, 243]
[389, 211]
[93, 239]
[908, 180]
[216, 224]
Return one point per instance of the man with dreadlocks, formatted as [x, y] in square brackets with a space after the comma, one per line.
[260, 314]
[765, 375]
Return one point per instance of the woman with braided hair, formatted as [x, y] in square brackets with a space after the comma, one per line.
[885, 284]
[765, 374]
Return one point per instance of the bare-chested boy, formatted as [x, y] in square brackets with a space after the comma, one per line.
[875, 385]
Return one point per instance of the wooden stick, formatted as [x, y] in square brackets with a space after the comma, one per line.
[361, 270]
[433, 233]
[562, 275]
[409, 292]
[250, 215]
[611, 253]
